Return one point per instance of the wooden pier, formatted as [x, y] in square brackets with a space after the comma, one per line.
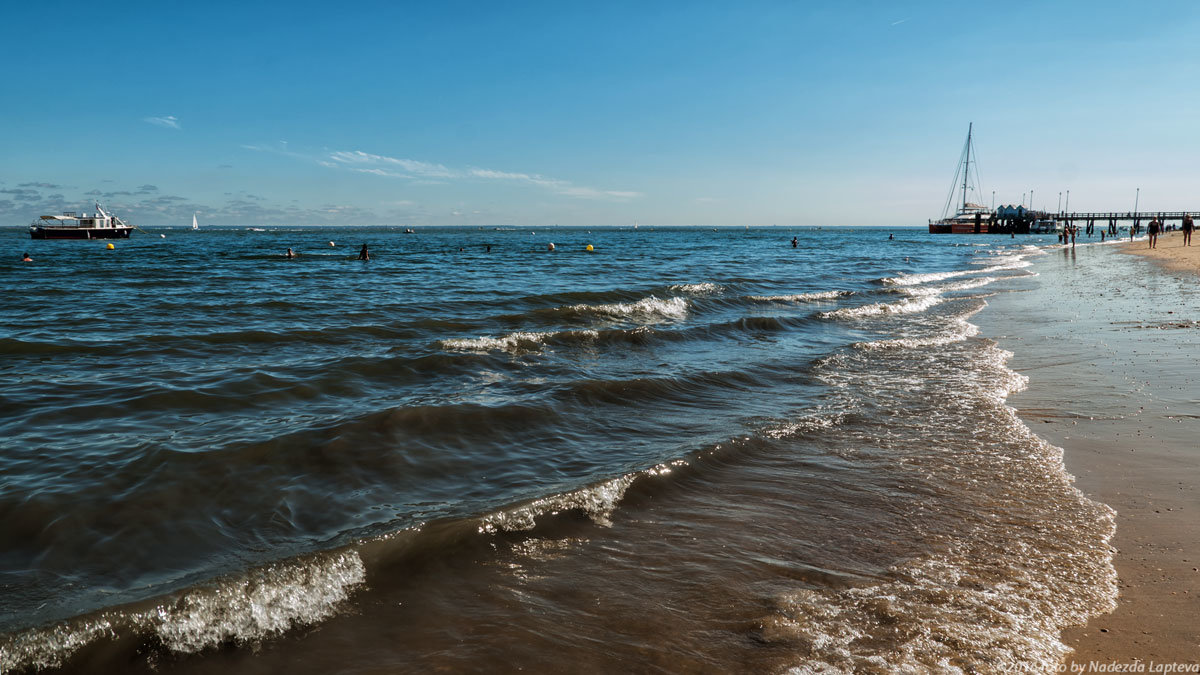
[1137, 217]
[1037, 222]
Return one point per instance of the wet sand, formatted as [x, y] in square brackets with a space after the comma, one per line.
[1112, 349]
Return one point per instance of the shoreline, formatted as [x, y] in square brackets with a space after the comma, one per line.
[1110, 357]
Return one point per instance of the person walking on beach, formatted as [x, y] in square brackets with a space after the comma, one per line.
[363, 255]
[1188, 226]
[1152, 232]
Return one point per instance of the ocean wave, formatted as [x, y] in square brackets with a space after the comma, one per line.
[1006, 261]
[705, 288]
[244, 609]
[923, 278]
[513, 342]
[956, 335]
[1003, 577]
[906, 306]
[647, 309]
[800, 297]
[804, 425]
[597, 501]
[264, 603]
[948, 288]
[1012, 262]
[1013, 625]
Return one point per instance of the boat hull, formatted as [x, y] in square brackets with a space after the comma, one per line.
[79, 232]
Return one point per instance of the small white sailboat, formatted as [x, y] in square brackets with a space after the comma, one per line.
[195, 225]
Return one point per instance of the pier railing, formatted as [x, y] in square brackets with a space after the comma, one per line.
[1112, 216]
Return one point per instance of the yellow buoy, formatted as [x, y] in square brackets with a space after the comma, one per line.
[590, 247]
[111, 247]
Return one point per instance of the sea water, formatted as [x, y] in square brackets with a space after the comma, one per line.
[686, 450]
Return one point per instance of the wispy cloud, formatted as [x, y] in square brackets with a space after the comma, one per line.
[395, 167]
[897, 23]
[170, 121]
[432, 173]
[412, 167]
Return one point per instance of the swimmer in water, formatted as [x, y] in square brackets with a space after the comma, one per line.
[25, 257]
[363, 255]
[289, 254]
[795, 243]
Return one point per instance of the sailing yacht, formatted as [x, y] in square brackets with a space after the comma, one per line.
[195, 225]
[970, 218]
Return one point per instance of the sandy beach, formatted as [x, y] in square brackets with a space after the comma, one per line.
[1111, 359]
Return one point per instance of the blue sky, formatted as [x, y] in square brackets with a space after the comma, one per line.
[591, 114]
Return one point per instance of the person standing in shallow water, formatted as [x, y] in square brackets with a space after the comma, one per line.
[794, 242]
[363, 255]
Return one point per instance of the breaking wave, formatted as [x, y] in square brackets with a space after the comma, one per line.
[906, 306]
[801, 297]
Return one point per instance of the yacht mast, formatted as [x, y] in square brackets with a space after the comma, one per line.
[967, 165]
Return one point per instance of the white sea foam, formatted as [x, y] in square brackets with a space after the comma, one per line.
[1010, 626]
[997, 587]
[264, 603]
[907, 306]
[1010, 262]
[706, 288]
[923, 278]
[948, 288]
[646, 309]
[597, 501]
[513, 342]
[956, 334]
[49, 647]
[1006, 261]
[245, 609]
[800, 297]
